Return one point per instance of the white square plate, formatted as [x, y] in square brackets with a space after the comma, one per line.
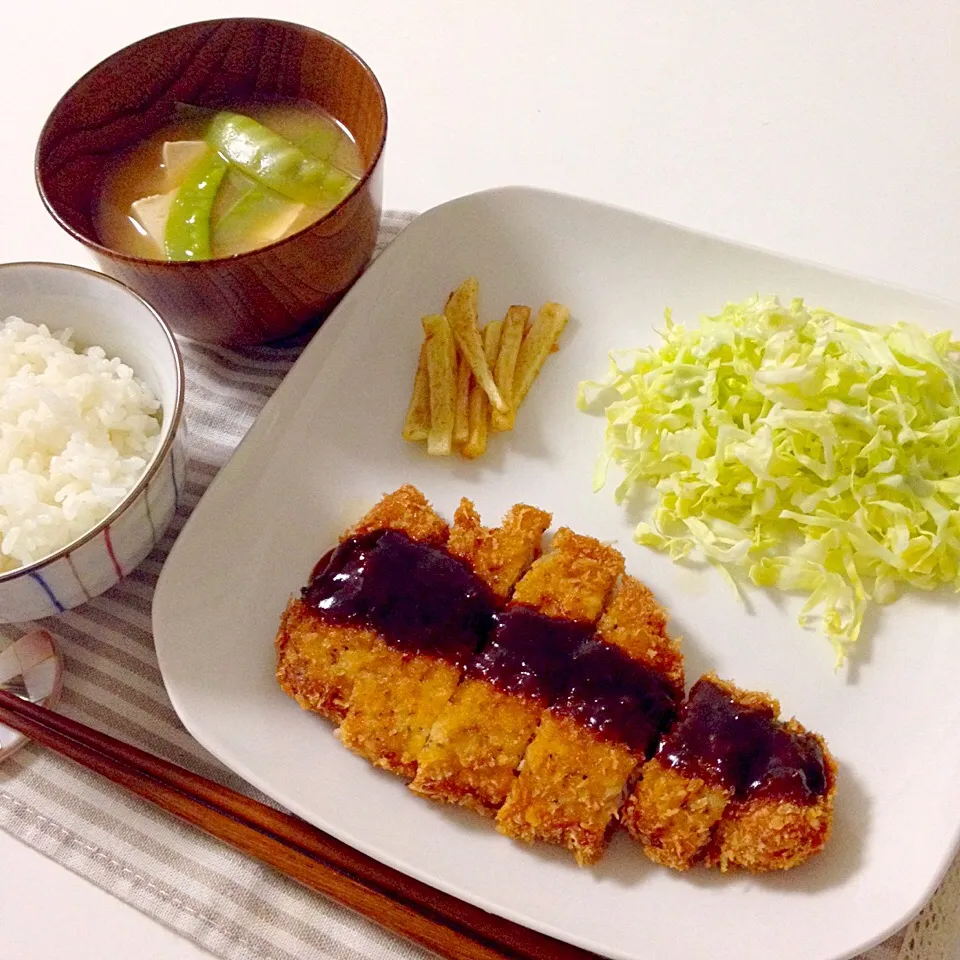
[328, 445]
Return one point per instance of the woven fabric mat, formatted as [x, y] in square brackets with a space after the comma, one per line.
[229, 904]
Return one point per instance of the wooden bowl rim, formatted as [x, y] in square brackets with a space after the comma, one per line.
[157, 264]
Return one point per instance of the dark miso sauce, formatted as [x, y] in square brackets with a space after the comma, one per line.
[422, 599]
[743, 749]
[563, 665]
[617, 698]
[529, 653]
[419, 597]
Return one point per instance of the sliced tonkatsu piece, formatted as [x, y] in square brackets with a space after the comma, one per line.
[318, 660]
[406, 510]
[625, 684]
[776, 829]
[410, 676]
[478, 741]
[498, 556]
[573, 581]
[733, 786]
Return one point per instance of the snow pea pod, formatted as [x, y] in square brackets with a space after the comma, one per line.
[321, 143]
[274, 160]
[187, 234]
[257, 216]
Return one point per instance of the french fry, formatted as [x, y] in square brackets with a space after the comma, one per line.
[514, 325]
[461, 312]
[416, 424]
[537, 344]
[461, 417]
[479, 404]
[441, 373]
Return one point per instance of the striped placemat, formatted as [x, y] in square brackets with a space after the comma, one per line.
[231, 905]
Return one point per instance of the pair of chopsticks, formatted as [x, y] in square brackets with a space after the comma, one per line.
[406, 906]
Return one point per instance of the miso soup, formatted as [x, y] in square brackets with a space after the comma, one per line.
[213, 183]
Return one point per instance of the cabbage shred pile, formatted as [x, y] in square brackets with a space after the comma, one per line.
[811, 452]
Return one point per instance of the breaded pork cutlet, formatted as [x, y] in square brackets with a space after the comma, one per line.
[318, 661]
[625, 685]
[401, 690]
[732, 786]
[479, 739]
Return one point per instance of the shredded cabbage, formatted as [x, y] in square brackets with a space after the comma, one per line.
[811, 452]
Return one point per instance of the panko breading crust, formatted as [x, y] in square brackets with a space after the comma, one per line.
[683, 820]
[760, 834]
[407, 510]
[318, 663]
[541, 774]
[571, 784]
[399, 694]
[498, 556]
[479, 739]
[573, 581]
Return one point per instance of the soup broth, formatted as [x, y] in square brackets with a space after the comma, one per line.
[214, 184]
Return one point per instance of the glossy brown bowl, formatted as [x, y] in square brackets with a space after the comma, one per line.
[254, 297]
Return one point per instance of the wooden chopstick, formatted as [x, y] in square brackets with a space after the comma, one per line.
[435, 920]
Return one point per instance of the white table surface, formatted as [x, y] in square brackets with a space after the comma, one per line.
[828, 129]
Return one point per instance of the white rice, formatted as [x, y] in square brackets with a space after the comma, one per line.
[76, 432]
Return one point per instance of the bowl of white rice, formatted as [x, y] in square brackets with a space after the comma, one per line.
[92, 441]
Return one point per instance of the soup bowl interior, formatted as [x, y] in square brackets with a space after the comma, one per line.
[216, 64]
